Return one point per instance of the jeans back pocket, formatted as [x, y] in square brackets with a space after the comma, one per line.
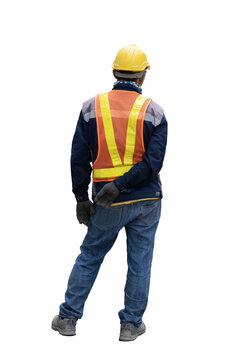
[107, 219]
[151, 212]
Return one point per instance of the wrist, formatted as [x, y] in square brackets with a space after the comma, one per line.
[81, 198]
[118, 185]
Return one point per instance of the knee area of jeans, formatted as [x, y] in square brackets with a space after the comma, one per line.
[82, 280]
[88, 267]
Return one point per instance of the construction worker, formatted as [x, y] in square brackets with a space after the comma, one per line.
[124, 135]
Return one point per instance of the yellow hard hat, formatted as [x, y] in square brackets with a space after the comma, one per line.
[131, 58]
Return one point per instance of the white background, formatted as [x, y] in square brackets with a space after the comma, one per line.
[54, 56]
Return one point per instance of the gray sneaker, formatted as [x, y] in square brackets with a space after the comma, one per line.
[64, 326]
[129, 331]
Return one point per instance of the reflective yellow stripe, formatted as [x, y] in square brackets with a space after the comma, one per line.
[108, 128]
[131, 130]
[132, 201]
[111, 172]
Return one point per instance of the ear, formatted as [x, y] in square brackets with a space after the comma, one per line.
[114, 73]
[141, 80]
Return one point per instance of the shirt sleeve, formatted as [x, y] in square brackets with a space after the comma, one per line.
[80, 160]
[142, 172]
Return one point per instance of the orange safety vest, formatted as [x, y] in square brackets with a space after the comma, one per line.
[119, 115]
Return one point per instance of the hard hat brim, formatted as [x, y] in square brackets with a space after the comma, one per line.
[131, 68]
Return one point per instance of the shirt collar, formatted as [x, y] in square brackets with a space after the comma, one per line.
[127, 85]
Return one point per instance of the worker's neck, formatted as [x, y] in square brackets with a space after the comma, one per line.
[125, 83]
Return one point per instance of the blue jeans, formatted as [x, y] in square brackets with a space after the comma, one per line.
[140, 220]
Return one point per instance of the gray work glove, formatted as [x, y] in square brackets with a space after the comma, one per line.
[107, 195]
[84, 210]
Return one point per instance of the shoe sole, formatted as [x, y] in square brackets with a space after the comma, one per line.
[122, 338]
[62, 332]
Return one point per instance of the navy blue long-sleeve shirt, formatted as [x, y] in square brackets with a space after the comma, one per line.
[142, 180]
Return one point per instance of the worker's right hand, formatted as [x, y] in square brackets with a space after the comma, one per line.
[107, 195]
[84, 210]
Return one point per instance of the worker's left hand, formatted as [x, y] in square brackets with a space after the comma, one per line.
[107, 195]
[84, 210]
